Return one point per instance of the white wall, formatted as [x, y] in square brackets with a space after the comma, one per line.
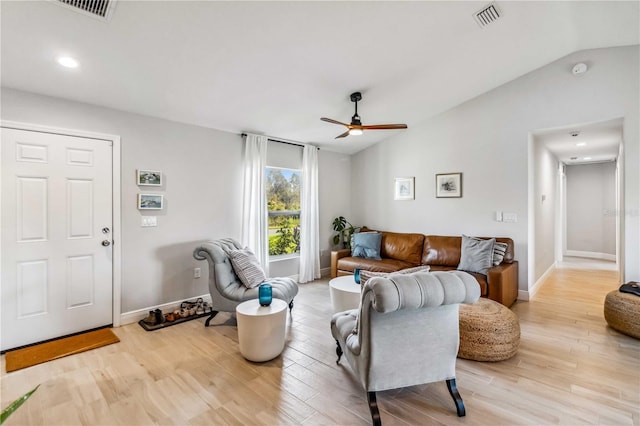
[486, 139]
[545, 185]
[591, 206]
[203, 189]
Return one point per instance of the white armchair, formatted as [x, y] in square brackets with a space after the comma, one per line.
[405, 332]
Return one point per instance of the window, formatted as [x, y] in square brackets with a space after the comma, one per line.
[283, 205]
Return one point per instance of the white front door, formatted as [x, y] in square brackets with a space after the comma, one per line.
[57, 275]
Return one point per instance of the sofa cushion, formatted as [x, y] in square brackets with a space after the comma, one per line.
[402, 246]
[476, 255]
[367, 245]
[385, 265]
[441, 251]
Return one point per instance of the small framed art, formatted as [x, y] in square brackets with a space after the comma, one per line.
[149, 177]
[150, 202]
[404, 188]
[449, 185]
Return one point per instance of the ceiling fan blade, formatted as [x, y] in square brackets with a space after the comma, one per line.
[384, 126]
[343, 135]
[330, 120]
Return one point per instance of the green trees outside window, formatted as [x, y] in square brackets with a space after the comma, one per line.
[283, 205]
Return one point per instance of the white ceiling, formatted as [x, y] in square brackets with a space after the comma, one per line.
[276, 67]
[589, 143]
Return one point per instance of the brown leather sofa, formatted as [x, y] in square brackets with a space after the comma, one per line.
[441, 253]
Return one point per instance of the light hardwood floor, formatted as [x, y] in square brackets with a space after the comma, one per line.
[571, 369]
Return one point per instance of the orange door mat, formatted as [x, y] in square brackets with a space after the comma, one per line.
[32, 355]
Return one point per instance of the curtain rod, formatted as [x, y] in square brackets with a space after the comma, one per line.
[281, 141]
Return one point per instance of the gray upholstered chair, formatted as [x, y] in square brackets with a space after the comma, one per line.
[405, 332]
[226, 289]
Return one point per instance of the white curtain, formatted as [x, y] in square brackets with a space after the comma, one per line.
[309, 228]
[254, 207]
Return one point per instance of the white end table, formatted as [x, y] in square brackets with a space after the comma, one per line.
[261, 329]
[345, 293]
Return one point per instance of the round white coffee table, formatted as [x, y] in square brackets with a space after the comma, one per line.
[261, 329]
[345, 293]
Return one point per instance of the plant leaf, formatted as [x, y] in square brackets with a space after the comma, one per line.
[16, 404]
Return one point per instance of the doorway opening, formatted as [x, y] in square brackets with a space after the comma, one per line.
[575, 195]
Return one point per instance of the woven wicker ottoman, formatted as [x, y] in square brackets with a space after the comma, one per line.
[622, 312]
[489, 331]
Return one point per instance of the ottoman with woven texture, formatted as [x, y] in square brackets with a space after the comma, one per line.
[622, 312]
[489, 331]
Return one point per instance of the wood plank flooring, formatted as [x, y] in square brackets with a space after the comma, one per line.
[570, 369]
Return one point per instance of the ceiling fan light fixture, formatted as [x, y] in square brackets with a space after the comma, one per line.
[355, 132]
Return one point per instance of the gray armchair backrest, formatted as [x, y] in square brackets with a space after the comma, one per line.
[407, 332]
[224, 285]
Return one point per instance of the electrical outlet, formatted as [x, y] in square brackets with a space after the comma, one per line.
[197, 273]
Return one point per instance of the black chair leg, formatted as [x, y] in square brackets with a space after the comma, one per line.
[213, 314]
[373, 407]
[291, 306]
[453, 391]
[338, 352]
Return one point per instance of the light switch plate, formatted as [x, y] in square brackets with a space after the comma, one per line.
[149, 221]
[498, 216]
[509, 217]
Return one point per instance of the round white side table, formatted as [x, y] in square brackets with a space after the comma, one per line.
[345, 293]
[261, 329]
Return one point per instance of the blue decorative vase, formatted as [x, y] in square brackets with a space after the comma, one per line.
[265, 294]
[356, 275]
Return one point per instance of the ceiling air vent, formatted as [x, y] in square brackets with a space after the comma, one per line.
[101, 9]
[487, 15]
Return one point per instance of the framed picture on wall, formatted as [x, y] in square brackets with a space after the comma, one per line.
[449, 185]
[149, 177]
[404, 189]
[150, 202]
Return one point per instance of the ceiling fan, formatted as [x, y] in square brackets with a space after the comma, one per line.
[356, 127]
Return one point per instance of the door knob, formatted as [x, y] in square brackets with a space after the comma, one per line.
[106, 243]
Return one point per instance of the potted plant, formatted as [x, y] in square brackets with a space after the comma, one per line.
[344, 231]
[16, 404]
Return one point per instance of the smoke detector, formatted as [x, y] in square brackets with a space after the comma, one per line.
[575, 133]
[579, 68]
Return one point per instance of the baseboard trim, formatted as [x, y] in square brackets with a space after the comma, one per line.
[590, 255]
[135, 316]
[531, 292]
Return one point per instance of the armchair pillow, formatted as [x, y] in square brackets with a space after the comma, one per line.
[367, 245]
[247, 267]
[499, 250]
[476, 255]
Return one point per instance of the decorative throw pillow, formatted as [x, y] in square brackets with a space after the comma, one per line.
[366, 275]
[367, 245]
[352, 242]
[499, 250]
[247, 267]
[476, 255]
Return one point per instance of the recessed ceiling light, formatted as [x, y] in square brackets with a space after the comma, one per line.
[581, 144]
[67, 61]
[586, 158]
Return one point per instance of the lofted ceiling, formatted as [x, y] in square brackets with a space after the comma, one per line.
[276, 67]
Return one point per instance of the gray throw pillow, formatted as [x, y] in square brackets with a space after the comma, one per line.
[499, 250]
[247, 267]
[367, 245]
[476, 255]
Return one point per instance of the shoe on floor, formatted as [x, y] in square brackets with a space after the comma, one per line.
[150, 319]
